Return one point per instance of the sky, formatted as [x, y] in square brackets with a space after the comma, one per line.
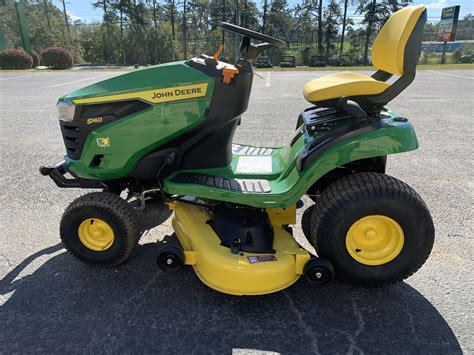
[83, 10]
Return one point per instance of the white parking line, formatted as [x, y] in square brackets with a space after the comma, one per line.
[77, 81]
[18, 77]
[268, 82]
[456, 76]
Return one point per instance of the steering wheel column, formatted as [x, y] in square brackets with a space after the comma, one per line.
[248, 49]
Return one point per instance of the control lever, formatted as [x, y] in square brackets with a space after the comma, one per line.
[352, 108]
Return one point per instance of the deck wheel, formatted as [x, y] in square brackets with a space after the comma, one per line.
[170, 258]
[318, 272]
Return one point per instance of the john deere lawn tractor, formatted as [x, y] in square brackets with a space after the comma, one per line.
[166, 131]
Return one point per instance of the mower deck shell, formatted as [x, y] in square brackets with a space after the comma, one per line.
[241, 273]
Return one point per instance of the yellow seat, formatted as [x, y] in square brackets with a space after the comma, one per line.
[342, 84]
[395, 52]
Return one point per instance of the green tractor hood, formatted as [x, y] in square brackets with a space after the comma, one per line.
[155, 77]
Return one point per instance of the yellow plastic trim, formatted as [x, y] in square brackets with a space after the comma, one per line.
[388, 50]
[96, 234]
[375, 240]
[229, 273]
[190, 257]
[301, 258]
[342, 84]
[154, 96]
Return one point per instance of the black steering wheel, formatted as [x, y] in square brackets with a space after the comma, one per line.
[252, 34]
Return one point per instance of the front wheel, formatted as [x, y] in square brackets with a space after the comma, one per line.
[100, 228]
[374, 229]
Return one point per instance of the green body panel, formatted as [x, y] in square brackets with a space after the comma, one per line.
[287, 184]
[158, 76]
[132, 137]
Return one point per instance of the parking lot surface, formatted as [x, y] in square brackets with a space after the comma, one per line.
[51, 303]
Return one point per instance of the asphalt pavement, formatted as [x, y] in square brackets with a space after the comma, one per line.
[50, 303]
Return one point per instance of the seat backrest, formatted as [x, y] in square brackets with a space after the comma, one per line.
[390, 52]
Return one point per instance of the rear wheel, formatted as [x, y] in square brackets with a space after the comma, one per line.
[100, 228]
[374, 229]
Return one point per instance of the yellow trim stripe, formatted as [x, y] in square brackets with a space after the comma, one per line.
[155, 96]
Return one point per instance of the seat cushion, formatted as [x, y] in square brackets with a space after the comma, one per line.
[342, 84]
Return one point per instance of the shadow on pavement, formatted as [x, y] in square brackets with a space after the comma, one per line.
[67, 306]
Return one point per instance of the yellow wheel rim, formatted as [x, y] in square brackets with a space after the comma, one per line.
[96, 234]
[375, 240]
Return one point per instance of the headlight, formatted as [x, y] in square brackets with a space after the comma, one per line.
[66, 110]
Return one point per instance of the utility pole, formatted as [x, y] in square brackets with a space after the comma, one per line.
[106, 33]
[344, 20]
[173, 35]
[237, 22]
[185, 31]
[224, 18]
[66, 20]
[172, 20]
[154, 13]
[264, 15]
[320, 27]
[65, 17]
[122, 54]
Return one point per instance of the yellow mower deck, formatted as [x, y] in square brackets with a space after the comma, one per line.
[242, 273]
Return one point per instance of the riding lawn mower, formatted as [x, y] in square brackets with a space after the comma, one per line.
[165, 132]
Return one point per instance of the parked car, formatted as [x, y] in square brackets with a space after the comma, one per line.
[263, 62]
[469, 58]
[288, 61]
[318, 61]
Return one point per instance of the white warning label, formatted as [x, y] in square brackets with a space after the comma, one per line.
[261, 258]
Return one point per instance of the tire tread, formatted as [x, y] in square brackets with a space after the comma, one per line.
[363, 186]
[107, 203]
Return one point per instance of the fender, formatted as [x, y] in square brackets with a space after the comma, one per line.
[384, 137]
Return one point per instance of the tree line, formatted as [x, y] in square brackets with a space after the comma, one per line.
[158, 31]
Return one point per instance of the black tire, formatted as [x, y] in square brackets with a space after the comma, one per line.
[318, 272]
[356, 196]
[113, 210]
[170, 258]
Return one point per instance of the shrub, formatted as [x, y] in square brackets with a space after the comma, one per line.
[427, 57]
[56, 58]
[36, 59]
[456, 55]
[15, 59]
